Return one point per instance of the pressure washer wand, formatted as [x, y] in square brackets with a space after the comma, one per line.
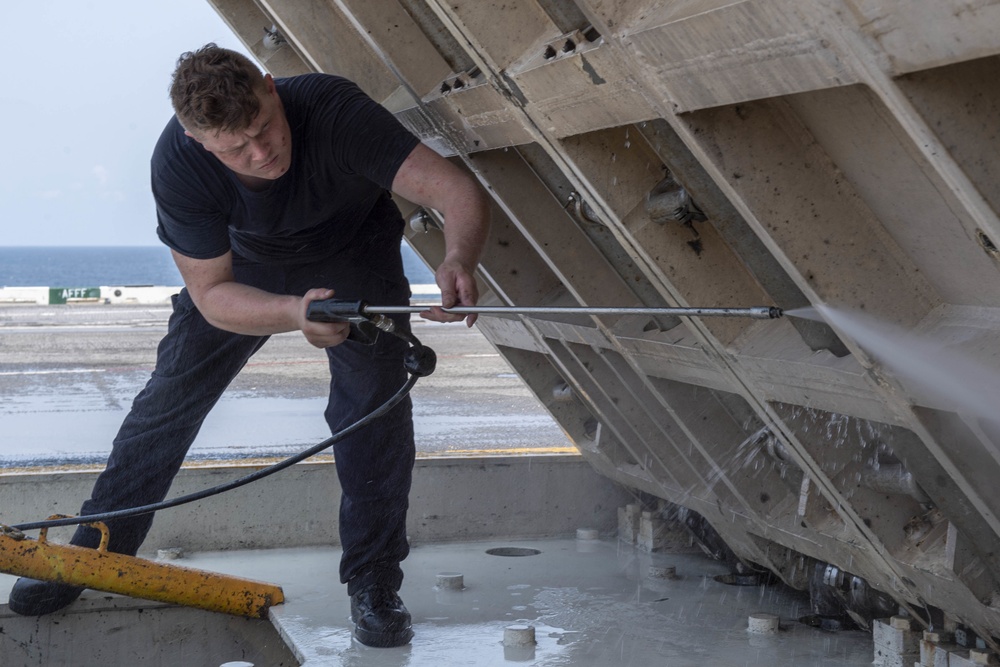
[756, 312]
[369, 317]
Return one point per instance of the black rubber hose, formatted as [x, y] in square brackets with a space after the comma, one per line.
[222, 488]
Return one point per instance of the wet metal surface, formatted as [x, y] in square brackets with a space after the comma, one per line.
[592, 603]
[68, 375]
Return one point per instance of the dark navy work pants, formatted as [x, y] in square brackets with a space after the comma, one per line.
[196, 362]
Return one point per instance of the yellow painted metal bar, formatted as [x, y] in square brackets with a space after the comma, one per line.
[103, 570]
[509, 451]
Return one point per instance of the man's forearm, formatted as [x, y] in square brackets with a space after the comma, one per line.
[242, 309]
[428, 179]
[466, 225]
[247, 310]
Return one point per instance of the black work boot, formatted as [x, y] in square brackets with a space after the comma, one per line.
[380, 617]
[31, 597]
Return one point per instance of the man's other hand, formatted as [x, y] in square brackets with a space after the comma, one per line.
[458, 288]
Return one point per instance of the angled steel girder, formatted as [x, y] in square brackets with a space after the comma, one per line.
[843, 155]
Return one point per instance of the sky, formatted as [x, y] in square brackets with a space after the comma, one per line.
[83, 103]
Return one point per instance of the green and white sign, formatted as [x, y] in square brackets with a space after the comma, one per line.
[65, 294]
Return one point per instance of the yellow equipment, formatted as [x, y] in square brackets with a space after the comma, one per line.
[135, 577]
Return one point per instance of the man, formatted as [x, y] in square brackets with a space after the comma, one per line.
[272, 194]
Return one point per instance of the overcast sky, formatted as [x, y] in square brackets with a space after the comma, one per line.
[84, 100]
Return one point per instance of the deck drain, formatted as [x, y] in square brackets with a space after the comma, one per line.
[512, 551]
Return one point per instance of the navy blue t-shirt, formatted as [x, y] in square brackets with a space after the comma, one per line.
[346, 150]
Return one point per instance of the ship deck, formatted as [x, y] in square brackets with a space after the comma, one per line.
[590, 602]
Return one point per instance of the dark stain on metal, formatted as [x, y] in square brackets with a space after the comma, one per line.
[589, 70]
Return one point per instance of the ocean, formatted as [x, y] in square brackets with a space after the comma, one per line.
[93, 266]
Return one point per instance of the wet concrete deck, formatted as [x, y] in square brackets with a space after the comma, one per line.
[68, 375]
[591, 603]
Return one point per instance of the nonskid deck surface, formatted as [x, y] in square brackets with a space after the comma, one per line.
[590, 602]
[75, 369]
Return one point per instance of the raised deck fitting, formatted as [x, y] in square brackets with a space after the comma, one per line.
[519, 635]
[450, 581]
[763, 624]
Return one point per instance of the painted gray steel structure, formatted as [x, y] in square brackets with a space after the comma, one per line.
[702, 152]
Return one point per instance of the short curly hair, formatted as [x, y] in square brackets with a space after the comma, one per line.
[215, 89]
